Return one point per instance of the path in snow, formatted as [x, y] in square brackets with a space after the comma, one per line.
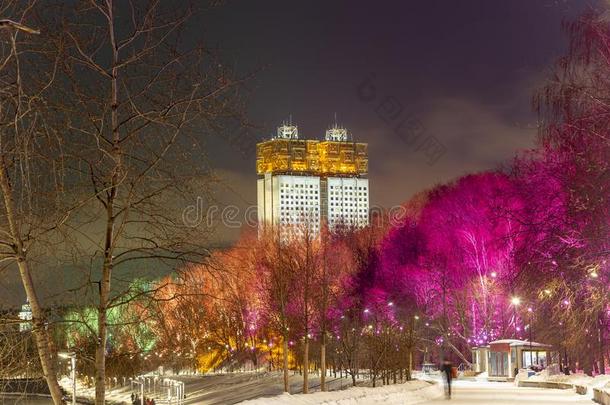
[477, 392]
[232, 388]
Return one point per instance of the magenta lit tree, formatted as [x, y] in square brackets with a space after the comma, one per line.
[568, 261]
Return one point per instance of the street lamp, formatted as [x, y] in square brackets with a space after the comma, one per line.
[141, 383]
[72, 357]
[531, 312]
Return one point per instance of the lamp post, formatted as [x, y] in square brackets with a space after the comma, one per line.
[72, 357]
[531, 312]
[141, 383]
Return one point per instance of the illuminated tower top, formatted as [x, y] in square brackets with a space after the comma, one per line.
[336, 134]
[335, 155]
[287, 132]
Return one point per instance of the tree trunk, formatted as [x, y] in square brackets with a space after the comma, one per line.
[410, 365]
[102, 337]
[306, 366]
[600, 333]
[285, 349]
[587, 361]
[104, 287]
[41, 334]
[323, 363]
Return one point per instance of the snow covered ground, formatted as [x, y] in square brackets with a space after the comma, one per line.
[267, 388]
[499, 393]
[119, 395]
[234, 388]
[579, 379]
[216, 389]
[419, 392]
[412, 392]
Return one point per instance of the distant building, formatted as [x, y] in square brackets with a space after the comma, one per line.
[307, 181]
[25, 315]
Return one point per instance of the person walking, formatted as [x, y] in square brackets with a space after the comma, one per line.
[447, 370]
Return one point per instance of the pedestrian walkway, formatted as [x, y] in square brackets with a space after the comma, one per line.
[483, 392]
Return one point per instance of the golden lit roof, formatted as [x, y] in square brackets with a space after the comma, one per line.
[326, 158]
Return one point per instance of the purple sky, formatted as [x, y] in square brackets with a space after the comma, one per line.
[465, 69]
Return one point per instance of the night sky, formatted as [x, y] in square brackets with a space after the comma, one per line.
[465, 70]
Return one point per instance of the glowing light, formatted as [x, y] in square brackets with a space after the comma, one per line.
[311, 156]
[515, 301]
[494, 274]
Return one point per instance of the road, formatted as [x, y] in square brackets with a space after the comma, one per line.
[475, 392]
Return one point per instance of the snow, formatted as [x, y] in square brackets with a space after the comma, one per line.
[265, 388]
[220, 388]
[420, 392]
[599, 381]
[412, 392]
[502, 393]
[118, 395]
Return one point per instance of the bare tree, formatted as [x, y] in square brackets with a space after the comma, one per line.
[303, 250]
[139, 102]
[276, 283]
[333, 263]
[30, 162]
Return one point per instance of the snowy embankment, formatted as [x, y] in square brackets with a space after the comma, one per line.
[576, 379]
[411, 392]
[600, 381]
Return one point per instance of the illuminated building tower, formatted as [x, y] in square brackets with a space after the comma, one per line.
[26, 316]
[308, 181]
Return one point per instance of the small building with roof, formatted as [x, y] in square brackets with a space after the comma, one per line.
[503, 358]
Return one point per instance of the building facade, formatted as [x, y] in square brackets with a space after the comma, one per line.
[308, 182]
[25, 315]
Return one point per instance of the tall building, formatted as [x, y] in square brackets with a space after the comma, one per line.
[26, 316]
[302, 182]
